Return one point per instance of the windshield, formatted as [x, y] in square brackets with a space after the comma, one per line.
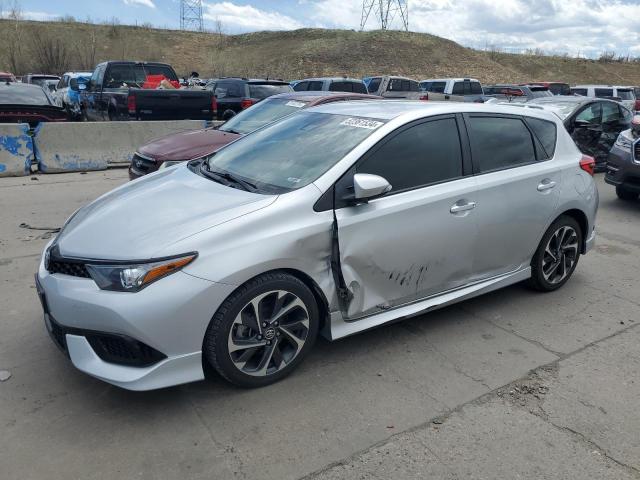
[293, 152]
[262, 113]
[19, 95]
[264, 90]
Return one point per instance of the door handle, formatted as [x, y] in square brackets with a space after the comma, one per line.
[546, 185]
[456, 208]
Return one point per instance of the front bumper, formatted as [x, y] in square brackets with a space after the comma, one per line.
[160, 329]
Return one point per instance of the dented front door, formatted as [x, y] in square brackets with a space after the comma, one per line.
[403, 247]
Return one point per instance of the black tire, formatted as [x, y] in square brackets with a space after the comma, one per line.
[624, 194]
[219, 333]
[542, 260]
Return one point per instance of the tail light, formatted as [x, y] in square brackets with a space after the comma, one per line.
[214, 105]
[588, 164]
[131, 104]
[637, 107]
[246, 103]
[424, 97]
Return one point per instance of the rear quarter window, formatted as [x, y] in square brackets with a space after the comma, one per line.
[546, 133]
[579, 91]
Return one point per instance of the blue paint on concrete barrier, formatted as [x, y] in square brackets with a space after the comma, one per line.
[16, 150]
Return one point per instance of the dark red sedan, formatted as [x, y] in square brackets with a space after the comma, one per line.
[183, 146]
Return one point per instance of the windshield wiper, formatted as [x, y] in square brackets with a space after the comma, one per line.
[228, 177]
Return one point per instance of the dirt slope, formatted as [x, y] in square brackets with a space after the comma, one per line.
[30, 46]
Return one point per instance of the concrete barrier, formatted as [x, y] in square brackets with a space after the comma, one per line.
[82, 146]
[16, 150]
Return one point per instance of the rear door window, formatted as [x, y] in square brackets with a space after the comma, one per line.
[579, 91]
[458, 88]
[476, 88]
[498, 143]
[402, 85]
[420, 155]
[603, 92]
[610, 113]
[316, 85]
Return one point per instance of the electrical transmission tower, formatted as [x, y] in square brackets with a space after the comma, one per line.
[191, 15]
[385, 11]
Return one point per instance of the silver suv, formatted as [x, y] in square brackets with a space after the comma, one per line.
[333, 220]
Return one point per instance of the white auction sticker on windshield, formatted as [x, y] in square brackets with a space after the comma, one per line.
[361, 123]
[293, 103]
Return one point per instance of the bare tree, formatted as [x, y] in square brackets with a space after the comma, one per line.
[85, 51]
[49, 51]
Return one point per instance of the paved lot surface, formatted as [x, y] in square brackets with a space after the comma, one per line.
[515, 384]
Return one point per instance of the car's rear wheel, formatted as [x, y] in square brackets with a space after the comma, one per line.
[624, 194]
[262, 332]
[557, 255]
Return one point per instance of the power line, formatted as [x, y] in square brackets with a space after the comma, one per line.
[384, 12]
[191, 15]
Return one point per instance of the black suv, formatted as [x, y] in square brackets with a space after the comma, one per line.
[623, 164]
[234, 94]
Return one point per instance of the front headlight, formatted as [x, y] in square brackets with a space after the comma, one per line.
[623, 142]
[134, 277]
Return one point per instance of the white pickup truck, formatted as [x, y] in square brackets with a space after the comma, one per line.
[453, 89]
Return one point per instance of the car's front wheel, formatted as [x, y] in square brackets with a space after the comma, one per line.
[263, 331]
[557, 255]
[624, 194]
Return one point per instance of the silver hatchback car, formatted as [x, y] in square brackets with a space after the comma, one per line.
[334, 220]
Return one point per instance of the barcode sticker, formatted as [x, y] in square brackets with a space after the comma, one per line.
[361, 123]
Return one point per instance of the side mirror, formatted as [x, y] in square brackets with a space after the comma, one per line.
[73, 84]
[52, 87]
[367, 186]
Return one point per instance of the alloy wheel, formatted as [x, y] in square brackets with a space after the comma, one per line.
[560, 255]
[268, 333]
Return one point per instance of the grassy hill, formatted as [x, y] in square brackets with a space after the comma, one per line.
[27, 46]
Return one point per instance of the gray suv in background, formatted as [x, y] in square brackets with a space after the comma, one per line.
[331, 84]
[394, 87]
[623, 164]
[333, 220]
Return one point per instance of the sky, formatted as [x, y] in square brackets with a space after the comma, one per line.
[578, 27]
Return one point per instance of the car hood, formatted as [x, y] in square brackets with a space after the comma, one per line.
[187, 145]
[142, 218]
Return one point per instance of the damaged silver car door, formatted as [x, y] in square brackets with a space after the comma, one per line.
[416, 240]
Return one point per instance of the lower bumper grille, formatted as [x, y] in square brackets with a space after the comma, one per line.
[111, 348]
